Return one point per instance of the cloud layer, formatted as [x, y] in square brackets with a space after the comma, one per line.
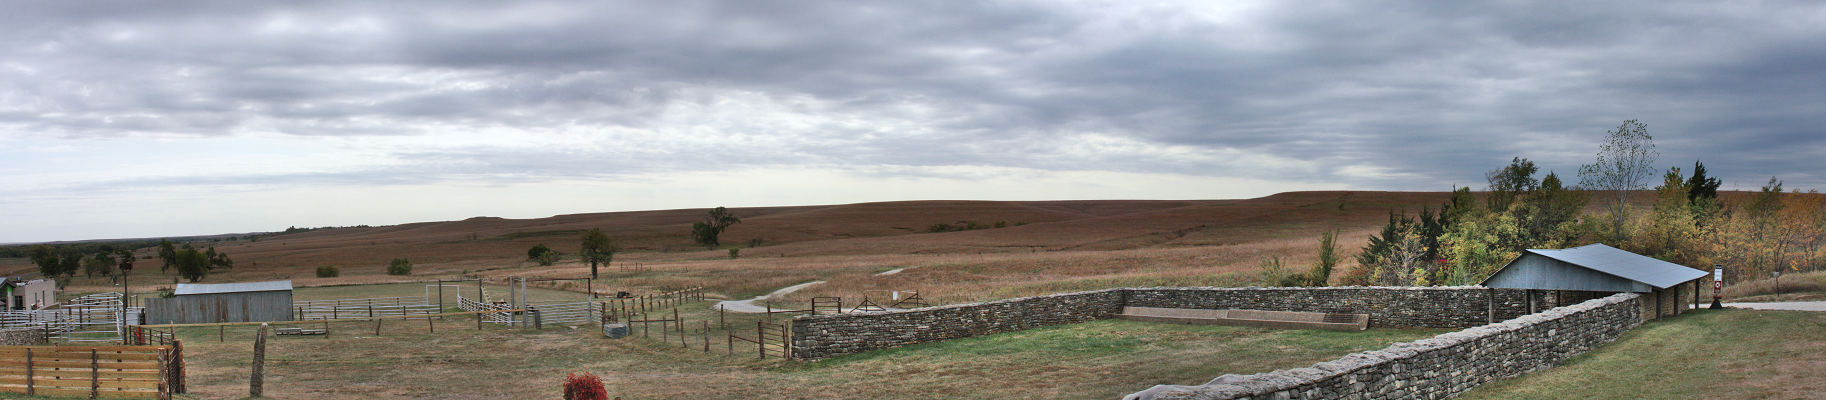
[103, 101]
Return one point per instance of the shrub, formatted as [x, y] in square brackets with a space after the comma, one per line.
[328, 271]
[585, 386]
[399, 266]
[735, 252]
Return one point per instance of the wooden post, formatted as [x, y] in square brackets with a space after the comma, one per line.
[29, 389]
[256, 382]
[440, 296]
[760, 336]
[376, 327]
[177, 366]
[478, 320]
[706, 336]
[164, 380]
[94, 373]
[222, 333]
[428, 325]
[720, 319]
[370, 311]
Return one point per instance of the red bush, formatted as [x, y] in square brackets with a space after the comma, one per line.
[585, 386]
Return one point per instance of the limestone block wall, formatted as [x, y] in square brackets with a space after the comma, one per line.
[822, 336]
[1403, 307]
[1438, 367]
[24, 336]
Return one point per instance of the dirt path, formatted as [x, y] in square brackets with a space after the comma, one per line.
[748, 306]
[1790, 306]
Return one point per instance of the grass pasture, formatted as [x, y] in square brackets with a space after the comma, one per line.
[1711, 354]
[1100, 359]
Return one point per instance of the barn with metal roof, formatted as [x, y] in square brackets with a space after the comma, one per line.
[196, 303]
[1598, 270]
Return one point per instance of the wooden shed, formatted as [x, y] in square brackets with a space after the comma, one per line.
[1598, 270]
[193, 303]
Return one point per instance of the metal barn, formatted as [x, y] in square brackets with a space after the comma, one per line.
[1598, 270]
[223, 302]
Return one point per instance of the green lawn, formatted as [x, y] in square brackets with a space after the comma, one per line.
[1742, 354]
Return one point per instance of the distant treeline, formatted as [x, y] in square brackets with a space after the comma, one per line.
[968, 226]
[87, 248]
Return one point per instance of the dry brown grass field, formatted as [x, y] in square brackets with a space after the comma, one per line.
[1057, 246]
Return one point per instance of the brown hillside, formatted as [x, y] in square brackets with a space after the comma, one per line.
[849, 229]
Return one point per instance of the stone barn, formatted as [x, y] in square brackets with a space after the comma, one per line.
[1595, 271]
[193, 303]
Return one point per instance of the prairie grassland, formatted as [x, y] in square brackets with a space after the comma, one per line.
[1101, 359]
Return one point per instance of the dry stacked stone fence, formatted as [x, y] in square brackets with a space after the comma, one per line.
[823, 336]
[1439, 367]
[22, 336]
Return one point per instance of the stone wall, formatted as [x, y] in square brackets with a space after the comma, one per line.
[23, 336]
[1441, 366]
[1388, 307]
[823, 336]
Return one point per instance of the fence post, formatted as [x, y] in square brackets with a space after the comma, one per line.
[706, 336]
[164, 384]
[256, 381]
[538, 321]
[29, 389]
[177, 365]
[428, 325]
[760, 335]
[94, 373]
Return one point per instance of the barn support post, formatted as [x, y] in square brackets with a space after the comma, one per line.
[1490, 313]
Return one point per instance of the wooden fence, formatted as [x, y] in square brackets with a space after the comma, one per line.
[769, 339]
[93, 371]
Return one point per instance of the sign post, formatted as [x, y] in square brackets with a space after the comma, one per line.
[1718, 285]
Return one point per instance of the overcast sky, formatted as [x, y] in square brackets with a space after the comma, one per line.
[145, 119]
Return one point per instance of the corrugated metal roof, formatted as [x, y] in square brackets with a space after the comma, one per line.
[1622, 264]
[207, 288]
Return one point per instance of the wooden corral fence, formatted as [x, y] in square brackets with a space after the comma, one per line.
[93, 371]
[769, 339]
[149, 336]
[362, 308]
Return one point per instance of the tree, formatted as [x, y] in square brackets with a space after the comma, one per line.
[49, 259]
[218, 259]
[705, 232]
[1320, 275]
[168, 254]
[543, 255]
[597, 248]
[102, 263]
[1624, 162]
[1508, 183]
[192, 265]
[399, 266]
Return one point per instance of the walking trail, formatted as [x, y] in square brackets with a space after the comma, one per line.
[1791, 306]
[748, 306]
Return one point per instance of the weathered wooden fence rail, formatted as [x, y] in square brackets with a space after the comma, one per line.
[93, 371]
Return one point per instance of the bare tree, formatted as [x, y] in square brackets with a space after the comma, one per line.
[1624, 164]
